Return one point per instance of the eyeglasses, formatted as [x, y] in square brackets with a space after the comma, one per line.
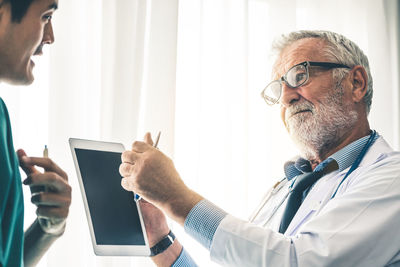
[296, 76]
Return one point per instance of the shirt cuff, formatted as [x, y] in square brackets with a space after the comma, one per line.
[184, 260]
[202, 222]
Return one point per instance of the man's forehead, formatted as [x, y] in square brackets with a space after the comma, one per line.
[308, 49]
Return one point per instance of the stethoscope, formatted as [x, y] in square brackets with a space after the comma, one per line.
[279, 185]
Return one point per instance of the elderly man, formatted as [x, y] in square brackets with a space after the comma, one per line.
[25, 27]
[339, 204]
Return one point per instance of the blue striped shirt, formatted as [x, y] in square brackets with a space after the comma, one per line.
[204, 219]
[184, 260]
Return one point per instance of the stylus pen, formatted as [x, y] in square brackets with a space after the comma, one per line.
[45, 152]
[42, 221]
[45, 155]
[157, 139]
[137, 197]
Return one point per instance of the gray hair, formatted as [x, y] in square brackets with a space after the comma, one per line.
[338, 48]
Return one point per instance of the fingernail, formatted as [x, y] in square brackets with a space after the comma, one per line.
[27, 181]
[35, 198]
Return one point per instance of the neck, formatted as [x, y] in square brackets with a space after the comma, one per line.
[349, 137]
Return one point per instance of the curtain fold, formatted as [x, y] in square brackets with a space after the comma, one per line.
[392, 15]
[113, 81]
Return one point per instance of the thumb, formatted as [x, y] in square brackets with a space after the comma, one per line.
[24, 162]
[147, 139]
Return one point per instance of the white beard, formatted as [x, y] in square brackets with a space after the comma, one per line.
[315, 132]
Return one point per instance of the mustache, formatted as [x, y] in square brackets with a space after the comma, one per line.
[300, 107]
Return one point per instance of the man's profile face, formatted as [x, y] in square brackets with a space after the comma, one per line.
[318, 113]
[318, 85]
[19, 41]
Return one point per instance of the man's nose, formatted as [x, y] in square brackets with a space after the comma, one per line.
[289, 95]
[48, 35]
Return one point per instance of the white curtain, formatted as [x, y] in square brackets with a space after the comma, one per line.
[193, 69]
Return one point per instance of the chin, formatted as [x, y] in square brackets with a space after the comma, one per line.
[29, 78]
[28, 81]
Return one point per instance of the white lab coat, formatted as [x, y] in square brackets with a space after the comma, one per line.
[359, 227]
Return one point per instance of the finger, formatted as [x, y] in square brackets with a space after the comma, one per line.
[37, 189]
[148, 139]
[27, 168]
[140, 147]
[51, 199]
[129, 157]
[51, 180]
[47, 164]
[125, 169]
[126, 184]
[52, 212]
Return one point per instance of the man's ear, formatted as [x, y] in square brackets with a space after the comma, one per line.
[359, 81]
[2, 8]
[5, 13]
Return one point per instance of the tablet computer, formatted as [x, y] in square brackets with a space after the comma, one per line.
[114, 217]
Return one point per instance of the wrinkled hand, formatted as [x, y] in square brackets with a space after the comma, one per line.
[154, 222]
[50, 190]
[154, 219]
[149, 173]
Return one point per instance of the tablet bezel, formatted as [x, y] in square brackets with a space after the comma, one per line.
[106, 250]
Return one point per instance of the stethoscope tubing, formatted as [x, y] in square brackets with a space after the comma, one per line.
[272, 191]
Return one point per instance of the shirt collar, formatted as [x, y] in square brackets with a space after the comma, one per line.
[344, 158]
[347, 155]
[296, 167]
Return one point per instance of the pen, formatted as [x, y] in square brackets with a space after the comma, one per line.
[42, 221]
[157, 139]
[45, 152]
[45, 155]
[137, 197]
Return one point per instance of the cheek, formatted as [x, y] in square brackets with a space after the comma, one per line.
[36, 40]
[36, 37]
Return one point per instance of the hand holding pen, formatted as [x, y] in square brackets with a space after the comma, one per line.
[149, 141]
[150, 173]
[51, 192]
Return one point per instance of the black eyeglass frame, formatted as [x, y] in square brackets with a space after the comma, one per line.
[306, 64]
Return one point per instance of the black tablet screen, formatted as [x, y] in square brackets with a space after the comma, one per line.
[113, 210]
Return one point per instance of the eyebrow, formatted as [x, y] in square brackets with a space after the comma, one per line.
[53, 6]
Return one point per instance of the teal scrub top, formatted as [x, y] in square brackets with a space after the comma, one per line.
[11, 199]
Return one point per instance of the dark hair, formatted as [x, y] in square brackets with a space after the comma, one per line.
[18, 8]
